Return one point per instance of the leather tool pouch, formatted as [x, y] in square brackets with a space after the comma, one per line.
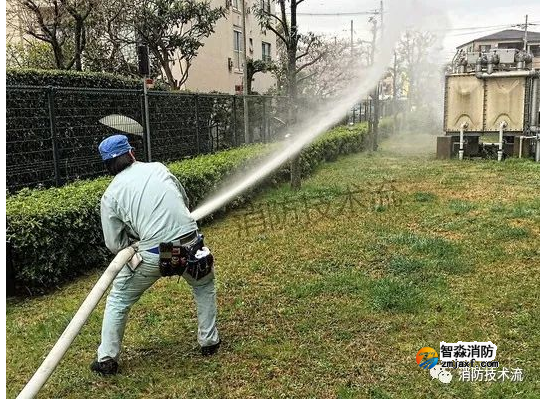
[199, 267]
[175, 259]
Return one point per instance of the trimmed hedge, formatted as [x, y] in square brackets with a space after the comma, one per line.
[56, 233]
[60, 78]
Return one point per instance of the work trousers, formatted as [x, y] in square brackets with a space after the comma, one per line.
[128, 287]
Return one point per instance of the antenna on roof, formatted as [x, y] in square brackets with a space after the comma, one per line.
[526, 33]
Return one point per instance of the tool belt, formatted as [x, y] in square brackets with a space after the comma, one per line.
[186, 254]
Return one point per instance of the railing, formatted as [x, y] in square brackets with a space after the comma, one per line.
[52, 133]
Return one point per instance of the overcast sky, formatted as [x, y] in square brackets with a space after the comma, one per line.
[481, 17]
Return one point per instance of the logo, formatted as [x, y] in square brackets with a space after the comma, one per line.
[427, 358]
[441, 374]
[467, 354]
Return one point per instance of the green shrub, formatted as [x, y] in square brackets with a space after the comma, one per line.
[56, 234]
[59, 78]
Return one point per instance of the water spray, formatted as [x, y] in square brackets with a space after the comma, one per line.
[400, 16]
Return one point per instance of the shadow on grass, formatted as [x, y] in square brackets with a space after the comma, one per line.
[461, 207]
[424, 197]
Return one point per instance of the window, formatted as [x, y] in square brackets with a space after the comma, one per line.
[534, 49]
[485, 48]
[265, 6]
[265, 51]
[237, 48]
[517, 45]
[235, 4]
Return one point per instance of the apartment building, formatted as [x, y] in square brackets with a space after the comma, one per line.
[218, 65]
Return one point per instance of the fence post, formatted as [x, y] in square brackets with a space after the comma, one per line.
[143, 116]
[147, 120]
[236, 144]
[52, 125]
[197, 144]
[217, 129]
[264, 120]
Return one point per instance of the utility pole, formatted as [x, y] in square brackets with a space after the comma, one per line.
[351, 39]
[526, 33]
[381, 15]
[394, 93]
[375, 93]
[245, 77]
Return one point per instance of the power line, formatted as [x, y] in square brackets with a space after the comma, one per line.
[473, 32]
[336, 14]
[485, 27]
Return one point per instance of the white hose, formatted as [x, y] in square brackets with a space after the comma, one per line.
[53, 358]
[503, 125]
[463, 126]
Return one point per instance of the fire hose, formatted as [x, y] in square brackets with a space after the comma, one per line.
[44, 371]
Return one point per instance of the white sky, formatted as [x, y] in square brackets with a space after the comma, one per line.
[482, 17]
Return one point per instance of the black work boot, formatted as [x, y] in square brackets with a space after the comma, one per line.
[107, 367]
[211, 349]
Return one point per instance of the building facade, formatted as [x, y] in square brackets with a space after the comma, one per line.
[219, 63]
[509, 38]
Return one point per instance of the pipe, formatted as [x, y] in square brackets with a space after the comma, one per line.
[521, 138]
[44, 371]
[461, 150]
[490, 65]
[509, 74]
[537, 149]
[503, 124]
[534, 111]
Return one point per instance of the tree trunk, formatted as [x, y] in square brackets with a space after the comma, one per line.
[295, 168]
[78, 42]
[58, 56]
[165, 64]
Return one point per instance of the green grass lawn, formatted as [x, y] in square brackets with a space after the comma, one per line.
[325, 294]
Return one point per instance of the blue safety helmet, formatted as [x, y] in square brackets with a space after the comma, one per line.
[114, 146]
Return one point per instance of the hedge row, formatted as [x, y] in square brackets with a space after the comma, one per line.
[55, 234]
[59, 78]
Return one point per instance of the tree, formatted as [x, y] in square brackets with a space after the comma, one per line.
[110, 39]
[35, 54]
[173, 30]
[255, 66]
[286, 30]
[412, 54]
[335, 68]
[61, 24]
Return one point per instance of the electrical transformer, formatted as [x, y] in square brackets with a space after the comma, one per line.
[491, 95]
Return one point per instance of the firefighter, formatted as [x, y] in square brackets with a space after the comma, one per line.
[147, 204]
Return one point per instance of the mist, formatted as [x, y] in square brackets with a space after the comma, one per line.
[402, 15]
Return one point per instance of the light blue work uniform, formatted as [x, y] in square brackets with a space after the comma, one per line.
[145, 202]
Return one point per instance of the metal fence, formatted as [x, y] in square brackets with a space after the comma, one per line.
[364, 111]
[52, 133]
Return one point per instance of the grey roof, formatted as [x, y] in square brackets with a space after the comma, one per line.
[508, 34]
